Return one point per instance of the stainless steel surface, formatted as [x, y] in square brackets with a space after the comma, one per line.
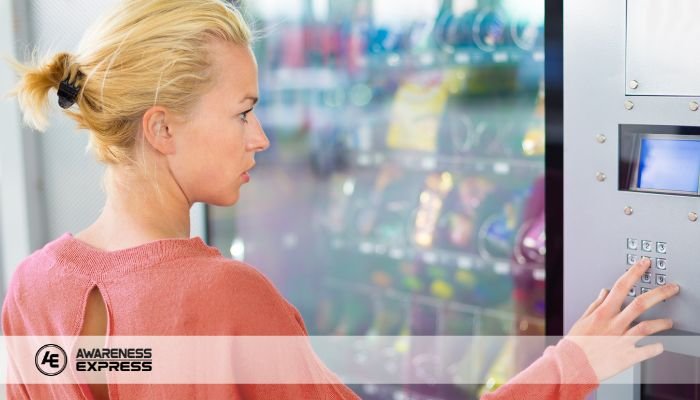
[604, 52]
[662, 46]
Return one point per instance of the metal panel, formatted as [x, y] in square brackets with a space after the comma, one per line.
[662, 47]
[594, 105]
[596, 226]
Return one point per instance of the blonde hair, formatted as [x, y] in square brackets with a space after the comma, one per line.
[142, 53]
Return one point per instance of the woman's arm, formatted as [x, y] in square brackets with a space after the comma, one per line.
[268, 313]
[307, 360]
[563, 372]
[12, 390]
[600, 345]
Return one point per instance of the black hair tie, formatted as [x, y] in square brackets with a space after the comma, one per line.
[67, 94]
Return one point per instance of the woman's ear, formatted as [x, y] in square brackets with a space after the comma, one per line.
[157, 132]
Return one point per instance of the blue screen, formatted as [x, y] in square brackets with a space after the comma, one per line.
[669, 165]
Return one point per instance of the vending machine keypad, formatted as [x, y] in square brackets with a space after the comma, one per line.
[656, 252]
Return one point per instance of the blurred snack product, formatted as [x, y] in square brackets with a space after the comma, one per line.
[437, 187]
[415, 115]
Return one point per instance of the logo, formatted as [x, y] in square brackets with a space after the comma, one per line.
[51, 360]
[114, 359]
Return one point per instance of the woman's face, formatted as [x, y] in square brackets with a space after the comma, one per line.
[216, 147]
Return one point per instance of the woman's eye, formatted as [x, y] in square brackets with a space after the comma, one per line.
[244, 116]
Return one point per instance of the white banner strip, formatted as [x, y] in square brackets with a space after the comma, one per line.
[290, 359]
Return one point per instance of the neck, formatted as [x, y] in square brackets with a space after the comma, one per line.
[138, 210]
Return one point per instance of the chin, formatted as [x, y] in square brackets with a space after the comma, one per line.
[226, 200]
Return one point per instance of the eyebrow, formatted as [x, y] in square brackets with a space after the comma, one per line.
[252, 98]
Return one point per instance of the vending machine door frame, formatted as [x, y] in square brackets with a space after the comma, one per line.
[554, 167]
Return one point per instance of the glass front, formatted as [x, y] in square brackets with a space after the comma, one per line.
[403, 192]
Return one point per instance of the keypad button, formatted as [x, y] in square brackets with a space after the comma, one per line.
[661, 263]
[632, 292]
[646, 278]
[631, 259]
[632, 244]
[644, 290]
[661, 248]
[647, 246]
[660, 279]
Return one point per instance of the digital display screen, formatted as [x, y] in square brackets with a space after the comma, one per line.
[669, 165]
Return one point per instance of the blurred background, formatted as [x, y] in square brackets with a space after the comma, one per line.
[403, 192]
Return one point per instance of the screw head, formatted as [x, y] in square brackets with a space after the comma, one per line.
[694, 106]
[629, 105]
[634, 84]
[693, 216]
[601, 139]
[601, 177]
[629, 210]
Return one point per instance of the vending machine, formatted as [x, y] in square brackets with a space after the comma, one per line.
[632, 169]
[404, 189]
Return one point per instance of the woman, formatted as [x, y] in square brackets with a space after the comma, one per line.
[167, 89]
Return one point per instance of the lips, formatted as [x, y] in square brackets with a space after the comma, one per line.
[245, 176]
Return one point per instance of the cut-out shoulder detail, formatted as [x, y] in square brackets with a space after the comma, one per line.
[95, 324]
[95, 320]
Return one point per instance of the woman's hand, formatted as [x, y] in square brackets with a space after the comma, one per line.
[604, 333]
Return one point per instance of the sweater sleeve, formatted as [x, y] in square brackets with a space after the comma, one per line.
[283, 319]
[563, 372]
[329, 391]
[12, 390]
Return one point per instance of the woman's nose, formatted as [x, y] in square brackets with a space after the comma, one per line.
[258, 140]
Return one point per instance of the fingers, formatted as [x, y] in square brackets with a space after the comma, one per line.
[646, 301]
[648, 328]
[622, 286]
[601, 297]
[646, 352]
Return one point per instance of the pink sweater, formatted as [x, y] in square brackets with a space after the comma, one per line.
[211, 295]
